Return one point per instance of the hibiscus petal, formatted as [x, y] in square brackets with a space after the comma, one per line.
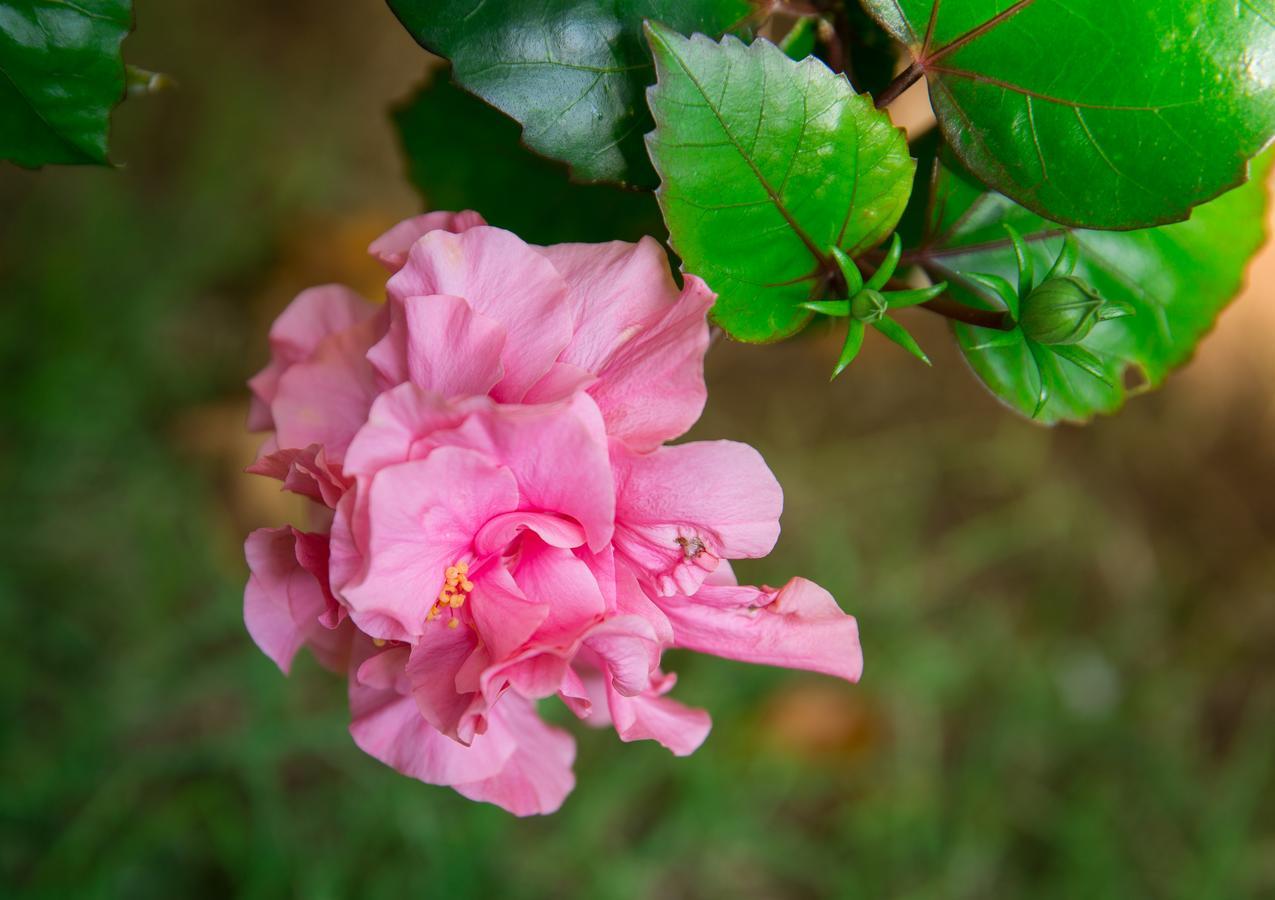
[390, 249]
[650, 716]
[681, 509]
[432, 667]
[558, 454]
[537, 777]
[800, 626]
[283, 600]
[388, 726]
[614, 290]
[305, 472]
[439, 343]
[311, 317]
[390, 555]
[555, 530]
[652, 390]
[325, 399]
[503, 279]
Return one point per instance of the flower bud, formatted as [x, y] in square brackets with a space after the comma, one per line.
[868, 306]
[1063, 310]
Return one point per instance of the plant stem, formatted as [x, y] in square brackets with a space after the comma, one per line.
[959, 312]
[901, 83]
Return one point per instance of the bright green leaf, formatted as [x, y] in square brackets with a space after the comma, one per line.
[1175, 278]
[768, 164]
[571, 72]
[1097, 113]
[490, 171]
[60, 76]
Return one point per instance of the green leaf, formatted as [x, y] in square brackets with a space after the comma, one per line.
[60, 75]
[1096, 113]
[897, 333]
[766, 165]
[1175, 278]
[490, 171]
[571, 72]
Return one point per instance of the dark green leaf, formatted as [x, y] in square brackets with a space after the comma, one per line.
[490, 171]
[1175, 278]
[766, 166]
[1098, 113]
[60, 75]
[571, 72]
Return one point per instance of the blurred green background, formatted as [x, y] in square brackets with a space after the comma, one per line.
[1070, 684]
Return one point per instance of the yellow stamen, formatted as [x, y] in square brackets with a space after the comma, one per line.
[453, 623]
[462, 567]
[378, 642]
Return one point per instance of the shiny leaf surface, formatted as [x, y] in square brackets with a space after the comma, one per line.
[766, 165]
[1097, 113]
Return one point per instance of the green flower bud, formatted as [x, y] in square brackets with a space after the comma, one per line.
[868, 306]
[1063, 310]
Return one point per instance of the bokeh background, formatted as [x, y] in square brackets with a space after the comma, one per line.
[1070, 685]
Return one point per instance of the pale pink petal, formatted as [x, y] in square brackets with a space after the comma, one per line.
[304, 471]
[388, 725]
[560, 382]
[434, 663]
[651, 716]
[537, 777]
[799, 626]
[558, 454]
[390, 249]
[556, 576]
[504, 616]
[615, 290]
[503, 279]
[682, 509]
[315, 314]
[652, 390]
[283, 601]
[439, 343]
[389, 557]
[402, 425]
[325, 399]
[555, 530]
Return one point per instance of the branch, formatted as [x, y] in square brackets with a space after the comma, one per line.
[904, 80]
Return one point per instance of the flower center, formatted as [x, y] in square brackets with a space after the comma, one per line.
[453, 595]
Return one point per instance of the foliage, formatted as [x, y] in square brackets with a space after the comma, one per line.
[743, 142]
[61, 75]
[571, 72]
[1095, 114]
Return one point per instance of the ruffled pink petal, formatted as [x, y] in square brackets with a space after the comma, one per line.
[315, 314]
[682, 509]
[388, 725]
[651, 716]
[403, 424]
[558, 454]
[304, 471]
[560, 382]
[615, 290]
[505, 617]
[557, 577]
[554, 530]
[284, 601]
[435, 661]
[799, 626]
[439, 343]
[503, 279]
[537, 777]
[325, 399]
[652, 390]
[390, 553]
[390, 249]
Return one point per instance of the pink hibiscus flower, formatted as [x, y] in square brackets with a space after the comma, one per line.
[505, 524]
